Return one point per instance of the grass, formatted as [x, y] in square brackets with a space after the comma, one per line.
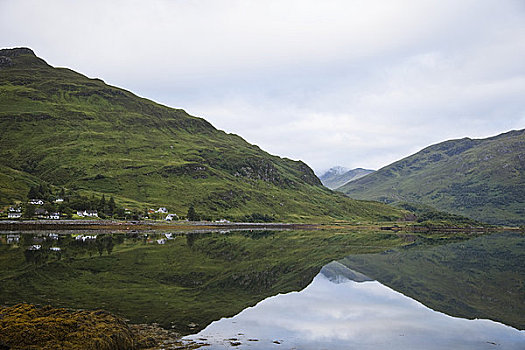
[481, 179]
[70, 131]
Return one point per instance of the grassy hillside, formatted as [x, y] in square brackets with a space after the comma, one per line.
[70, 131]
[483, 179]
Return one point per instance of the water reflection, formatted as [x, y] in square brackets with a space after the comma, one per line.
[336, 312]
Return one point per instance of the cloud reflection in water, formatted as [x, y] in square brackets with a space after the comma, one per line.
[337, 313]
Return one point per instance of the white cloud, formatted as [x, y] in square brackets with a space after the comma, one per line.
[355, 83]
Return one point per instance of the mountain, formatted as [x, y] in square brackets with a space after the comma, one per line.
[68, 131]
[480, 178]
[338, 176]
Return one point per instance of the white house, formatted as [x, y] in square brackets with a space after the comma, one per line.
[55, 249]
[54, 216]
[89, 213]
[53, 236]
[171, 217]
[14, 215]
[35, 247]
[59, 200]
[162, 210]
[161, 241]
[85, 238]
[13, 239]
[36, 201]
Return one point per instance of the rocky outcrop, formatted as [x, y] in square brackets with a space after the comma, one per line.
[16, 52]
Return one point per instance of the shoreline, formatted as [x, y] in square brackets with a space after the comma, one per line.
[130, 226]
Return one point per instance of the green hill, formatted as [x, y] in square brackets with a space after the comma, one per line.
[482, 178]
[69, 131]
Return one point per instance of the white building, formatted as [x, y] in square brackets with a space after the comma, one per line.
[88, 213]
[14, 215]
[13, 239]
[85, 238]
[171, 217]
[36, 201]
[162, 210]
[54, 216]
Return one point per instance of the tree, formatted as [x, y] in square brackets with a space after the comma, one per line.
[33, 192]
[109, 244]
[29, 211]
[192, 215]
[100, 245]
[111, 206]
[102, 204]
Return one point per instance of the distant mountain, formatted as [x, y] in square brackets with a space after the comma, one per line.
[480, 178]
[338, 176]
[65, 130]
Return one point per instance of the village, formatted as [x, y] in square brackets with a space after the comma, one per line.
[45, 204]
[37, 209]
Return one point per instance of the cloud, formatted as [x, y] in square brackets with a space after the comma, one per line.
[354, 83]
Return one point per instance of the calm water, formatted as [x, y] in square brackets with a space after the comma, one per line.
[468, 294]
[335, 312]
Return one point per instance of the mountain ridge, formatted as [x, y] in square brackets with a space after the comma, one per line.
[479, 178]
[68, 130]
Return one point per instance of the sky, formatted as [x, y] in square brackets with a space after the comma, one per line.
[353, 83]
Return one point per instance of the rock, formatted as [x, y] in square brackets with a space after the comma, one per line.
[5, 61]
[16, 52]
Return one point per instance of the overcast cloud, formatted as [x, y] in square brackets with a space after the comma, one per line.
[354, 83]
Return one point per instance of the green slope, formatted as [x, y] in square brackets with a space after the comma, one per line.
[70, 131]
[483, 179]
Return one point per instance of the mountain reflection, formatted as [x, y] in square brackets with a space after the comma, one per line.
[336, 312]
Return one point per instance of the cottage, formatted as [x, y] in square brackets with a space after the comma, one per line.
[85, 238]
[36, 201]
[35, 247]
[89, 213]
[13, 239]
[54, 216]
[161, 241]
[162, 210]
[171, 217]
[40, 212]
[55, 249]
[169, 235]
[59, 200]
[53, 236]
[15, 209]
[14, 215]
